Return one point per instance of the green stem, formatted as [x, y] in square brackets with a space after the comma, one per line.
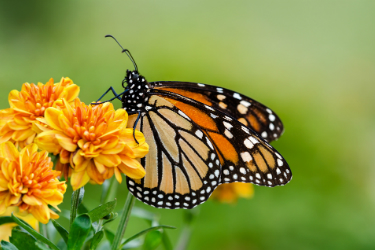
[76, 200]
[43, 229]
[130, 199]
[184, 239]
[112, 190]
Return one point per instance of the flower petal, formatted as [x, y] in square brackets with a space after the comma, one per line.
[47, 141]
[31, 200]
[79, 179]
[66, 142]
[132, 168]
[52, 118]
[108, 160]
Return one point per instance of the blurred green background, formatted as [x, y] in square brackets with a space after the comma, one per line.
[312, 62]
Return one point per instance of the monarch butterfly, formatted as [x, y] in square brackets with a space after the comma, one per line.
[199, 137]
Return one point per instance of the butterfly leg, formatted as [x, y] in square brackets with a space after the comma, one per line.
[113, 91]
[135, 125]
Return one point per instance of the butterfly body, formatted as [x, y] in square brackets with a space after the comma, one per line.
[135, 96]
[200, 136]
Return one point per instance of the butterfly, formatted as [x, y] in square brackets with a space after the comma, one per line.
[199, 136]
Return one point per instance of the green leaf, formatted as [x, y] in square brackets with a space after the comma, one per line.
[62, 231]
[102, 210]
[152, 240]
[112, 217]
[78, 232]
[82, 209]
[34, 233]
[109, 235]
[96, 239]
[23, 240]
[145, 232]
[41, 246]
[5, 245]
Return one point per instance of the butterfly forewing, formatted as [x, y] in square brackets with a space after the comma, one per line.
[244, 109]
[243, 154]
[182, 166]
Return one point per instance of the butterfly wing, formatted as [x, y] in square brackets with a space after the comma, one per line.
[244, 109]
[243, 154]
[182, 166]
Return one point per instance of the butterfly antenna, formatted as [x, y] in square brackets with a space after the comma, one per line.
[127, 52]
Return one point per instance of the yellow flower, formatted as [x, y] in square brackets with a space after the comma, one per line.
[18, 123]
[230, 192]
[6, 229]
[94, 141]
[28, 181]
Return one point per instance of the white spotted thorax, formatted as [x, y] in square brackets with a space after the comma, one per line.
[135, 97]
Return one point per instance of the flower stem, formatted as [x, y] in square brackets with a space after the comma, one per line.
[130, 199]
[112, 190]
[77, 197]
[184, 239]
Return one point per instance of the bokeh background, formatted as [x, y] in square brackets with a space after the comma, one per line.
[312, 62]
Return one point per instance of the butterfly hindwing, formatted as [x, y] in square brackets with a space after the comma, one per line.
[243, 154]
[182, 167]
[246, 110]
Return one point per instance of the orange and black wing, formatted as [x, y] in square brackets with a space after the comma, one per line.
[244, 156]
[182, 166]
[244, 109]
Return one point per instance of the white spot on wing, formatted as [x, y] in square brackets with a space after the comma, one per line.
[228, 134]
[246, 157]
[183, 114]
[227, 125]
[209, 143]
[245, 103]
[201, 85]
[248, 143]
[237, 96]
[199, 134]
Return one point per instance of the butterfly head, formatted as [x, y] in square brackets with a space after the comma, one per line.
[135, 96]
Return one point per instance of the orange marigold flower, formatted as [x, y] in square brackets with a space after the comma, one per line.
[28, 181]
[6, 229]
[94, 141]
[18, 123]
[230, 192]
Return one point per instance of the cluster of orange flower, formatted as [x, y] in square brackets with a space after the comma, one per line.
[92, 144]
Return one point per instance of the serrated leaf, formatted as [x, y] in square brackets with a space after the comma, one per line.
[109, 235]
[96, 240]
[145, 232]
[34, 233]
[78, 232]
[23, 240]
[101, 211]
[152, 240]
[62, 231]
[5, 245]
